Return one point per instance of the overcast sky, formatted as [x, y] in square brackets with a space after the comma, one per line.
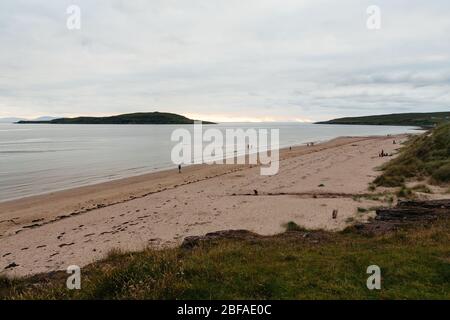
[224, 60]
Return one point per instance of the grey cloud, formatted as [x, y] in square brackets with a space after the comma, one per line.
[265, 58]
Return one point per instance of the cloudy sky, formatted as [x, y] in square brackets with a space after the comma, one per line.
[224, 60]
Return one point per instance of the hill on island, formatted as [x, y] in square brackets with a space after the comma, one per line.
[130, 118]
[429, 119]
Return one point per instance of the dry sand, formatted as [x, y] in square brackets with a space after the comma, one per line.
[78, 226]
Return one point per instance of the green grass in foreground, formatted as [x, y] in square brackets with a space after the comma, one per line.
[415, 264]
[427, 155]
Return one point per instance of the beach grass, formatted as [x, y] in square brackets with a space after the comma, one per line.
[425, 156]
[414, 262]
[292, 226]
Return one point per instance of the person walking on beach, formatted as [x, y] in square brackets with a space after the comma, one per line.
[179, 168]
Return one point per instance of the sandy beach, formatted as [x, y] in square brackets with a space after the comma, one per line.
[78, 226]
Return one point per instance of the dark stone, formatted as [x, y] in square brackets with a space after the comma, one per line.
[11, 265]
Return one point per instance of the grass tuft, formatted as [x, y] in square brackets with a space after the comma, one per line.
[405, 192]
[292, 226]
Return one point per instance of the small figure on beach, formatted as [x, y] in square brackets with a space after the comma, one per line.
[179, 168]
[290, 148]
[382, 153]
[393, 142]
[335, 213]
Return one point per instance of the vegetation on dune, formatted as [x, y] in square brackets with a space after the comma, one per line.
[424, 156]
[131, 118]
[398, 119]
[414, 264]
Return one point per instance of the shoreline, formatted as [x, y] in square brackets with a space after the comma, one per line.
[163, 169]
[149, 173]
[80, 167]
[136, 183]
[160, 209]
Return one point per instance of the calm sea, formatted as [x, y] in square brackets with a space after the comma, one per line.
[36, 159]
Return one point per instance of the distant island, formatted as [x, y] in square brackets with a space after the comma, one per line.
[130, 118]
[426, 120]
